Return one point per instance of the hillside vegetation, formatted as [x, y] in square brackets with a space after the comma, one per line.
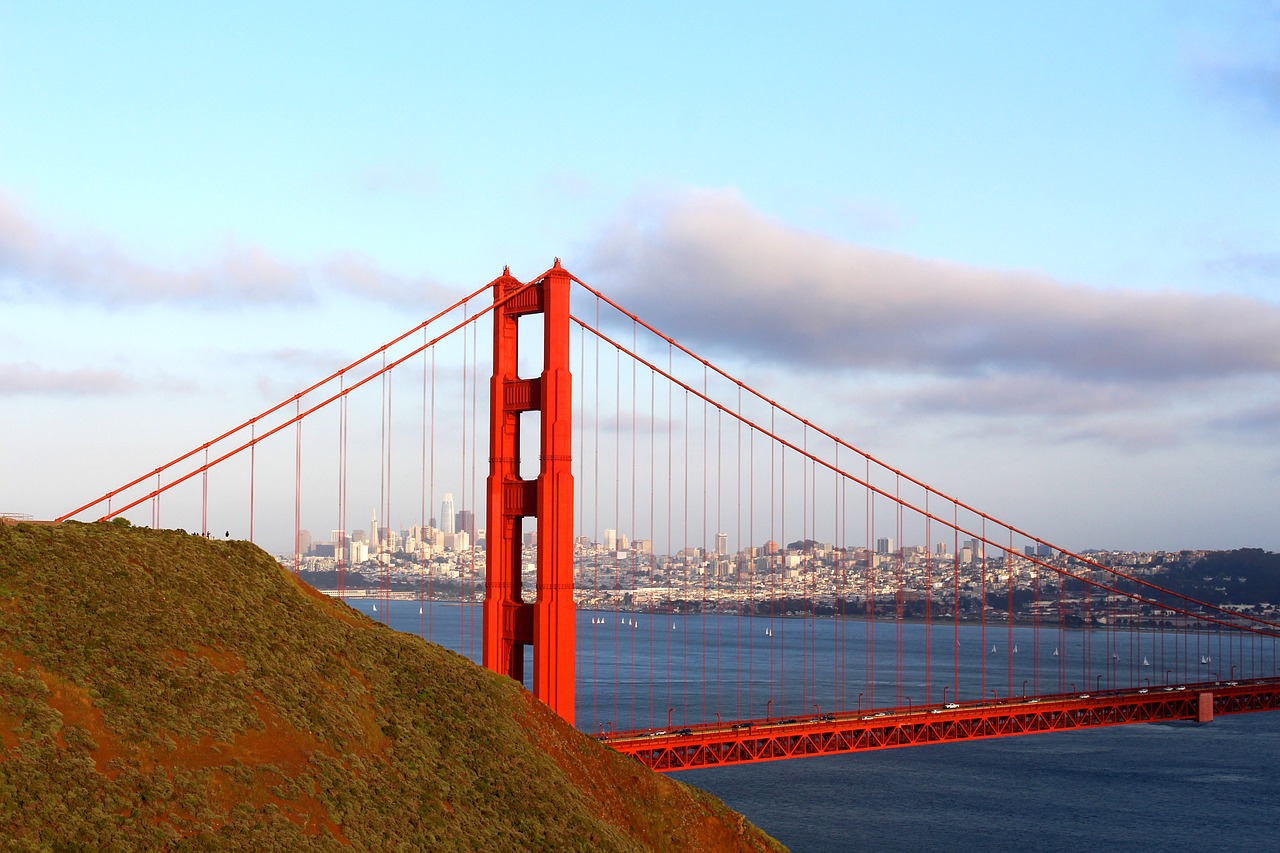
[161, 690]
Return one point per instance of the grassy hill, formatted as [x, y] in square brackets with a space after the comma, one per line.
[161, 690]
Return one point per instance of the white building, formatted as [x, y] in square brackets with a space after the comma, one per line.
[447, 517]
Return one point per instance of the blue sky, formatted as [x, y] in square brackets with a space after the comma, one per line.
[1028, 252]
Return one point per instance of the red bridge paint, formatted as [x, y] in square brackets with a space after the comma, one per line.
[753, 741]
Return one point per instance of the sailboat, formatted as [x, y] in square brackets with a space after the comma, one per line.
[1055, 651]
[1205, 661]
[1145, 662]
[993, 648]
[1015, 648]
[375, 608]
[768, 632]
[419, 609]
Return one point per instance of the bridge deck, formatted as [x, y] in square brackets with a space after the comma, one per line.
[748, 741]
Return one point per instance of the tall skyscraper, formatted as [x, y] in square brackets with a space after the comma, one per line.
[373, 533]
[722, 543]
[447, 519]
[610, 539]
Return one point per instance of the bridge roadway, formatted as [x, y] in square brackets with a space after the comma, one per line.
[748, 741]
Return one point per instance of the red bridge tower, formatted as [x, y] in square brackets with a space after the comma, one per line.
[510, 622]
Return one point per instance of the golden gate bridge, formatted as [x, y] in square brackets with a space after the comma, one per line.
[777, 592]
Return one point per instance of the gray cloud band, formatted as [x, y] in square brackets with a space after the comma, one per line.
[715, 274]
[37, 263]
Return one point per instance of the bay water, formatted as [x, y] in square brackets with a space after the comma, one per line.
[1167, 787]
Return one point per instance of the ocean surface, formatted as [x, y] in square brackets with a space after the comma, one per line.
[1141, 787]
[1125, 788]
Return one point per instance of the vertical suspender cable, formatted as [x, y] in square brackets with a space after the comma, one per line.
[773, 564]
[684, 537]
[465, 580]
[721, 559]
[899, 585]
[375, 545]
[751, 569]
[982, 604]
[204, 495]
[474, 491]
[580, 403]
[386, 510]
[955, 549]
[431, 497]
[870, 598]
[842, 543]
[297, 492]
[341, 547]
[806, 603]
[1009, 643]
[705, 562]
[1035, 626]
[253, 473]
[660, 609]
[424, 555]
[928, 603]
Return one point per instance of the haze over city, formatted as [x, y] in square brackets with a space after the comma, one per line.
[1028, 254]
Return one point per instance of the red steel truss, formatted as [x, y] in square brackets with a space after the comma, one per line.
[770, 740]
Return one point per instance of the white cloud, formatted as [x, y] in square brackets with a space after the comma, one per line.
[714, 273]
[967, 349]
[38, 263]
[360, 276]
[29, 379]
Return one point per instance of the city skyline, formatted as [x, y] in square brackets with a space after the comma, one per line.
[1026, 254]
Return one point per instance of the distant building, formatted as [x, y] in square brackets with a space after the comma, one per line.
[885, 545]
[465, 522]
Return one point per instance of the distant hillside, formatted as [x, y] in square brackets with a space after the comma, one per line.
[1242, 576]
[161, 690]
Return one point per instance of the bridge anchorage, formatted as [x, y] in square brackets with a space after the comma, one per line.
[694, 572]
